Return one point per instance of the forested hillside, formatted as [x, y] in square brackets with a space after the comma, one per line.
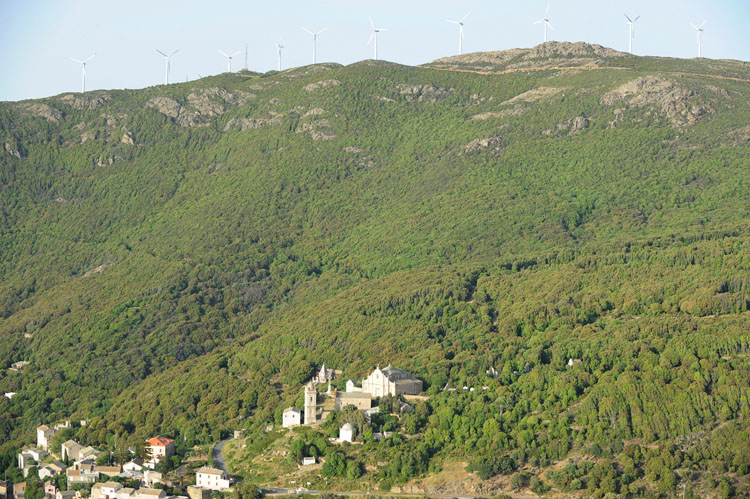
[178, 259]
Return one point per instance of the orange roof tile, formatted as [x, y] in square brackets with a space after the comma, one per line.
[159, 441]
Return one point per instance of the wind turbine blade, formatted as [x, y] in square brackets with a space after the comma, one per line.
[371, 23]
[308, 31]
[173, 53]
[550, 26]
[384, 29]
[371, 37]
[322, 30]
[629, 20]
[467, 15]
[78, 61]
[696, 28]
[162, 53]
[704, 23]
[546, 12]
[94, 55]
[238, 52]
[223, 53]
[453, 22]
[539, 21]
[636, 19]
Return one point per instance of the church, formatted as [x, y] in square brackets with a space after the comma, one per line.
[391, 381]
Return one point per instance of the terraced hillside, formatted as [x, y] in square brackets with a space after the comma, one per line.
[178, 259]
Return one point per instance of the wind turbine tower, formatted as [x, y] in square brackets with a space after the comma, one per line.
[166, 64]
[460, 32]
[229, 59]
[546, 22]
[374, 37]
[279, 46]
[245, 68]
[83, 70]
[699, 31]
[631, 23]
[315, 42]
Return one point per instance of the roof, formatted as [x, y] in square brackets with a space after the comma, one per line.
[292, 409]
[67, 493]
[209, 471]
[126, 490]
[70, 443]
[44, 427]
[348, 426]
[151, 492]
[159, 441]
[104, 469]
[112, 485]
[353, 395]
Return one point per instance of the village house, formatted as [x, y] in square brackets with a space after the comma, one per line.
[212, 478]
[108, 470]
[126, 493]
[50, 489]
[50, 470]
[291, 417]
[19, 489]
[75, 476]
[28, 456]
[6, 489]
[68, 494]
[149, 494]
[391, 381]
[106, 490]
[160, 447]
[134, 465]
[308, 461]
[151, 478]
[70, 450]
[44, 436]
[195, 492]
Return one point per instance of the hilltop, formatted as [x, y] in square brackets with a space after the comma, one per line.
[179, 259]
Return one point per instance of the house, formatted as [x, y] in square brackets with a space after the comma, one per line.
[67, 494]
[75, 476]
[160, 447]
[346, 433]
[370, 412]
[70, 450]
[360, 400]
[150, 478]
[134, 465]
[50, 470]
[198, 492]
[108, 470]
[19, 489]
[26, 456]
[89, 452]
[106, 490]
[6, 489]
[391, 381]
[44, 436]
[291, 417]
[212, 479]
[307, 461]
[50, 489]
[126, 493]
[149, 494]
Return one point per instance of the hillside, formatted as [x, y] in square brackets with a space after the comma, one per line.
[178, 259]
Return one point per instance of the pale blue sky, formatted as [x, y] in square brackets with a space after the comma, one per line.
[38, 36]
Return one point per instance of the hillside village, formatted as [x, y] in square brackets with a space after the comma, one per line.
[71, 470]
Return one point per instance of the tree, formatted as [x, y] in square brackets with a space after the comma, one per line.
[517, 480]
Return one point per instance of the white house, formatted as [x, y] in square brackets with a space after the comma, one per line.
[346, 433]
[307, 461]
[212, 478]
[149, 494]
[351, 387]
[50, 470]
[29, 454]
[291, 417]
[160, 447]
[133, 466]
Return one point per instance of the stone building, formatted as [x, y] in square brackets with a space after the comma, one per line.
[311, 403]
[291, 417]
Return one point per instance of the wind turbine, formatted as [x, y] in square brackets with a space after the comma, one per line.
[279, 46]
[460, 32]
[631, 23]
[245, 68]
[166, 64]
[83, 68]
[229, 59]
[545, 20]
[315, 42]
[699, 30]
[374, 36]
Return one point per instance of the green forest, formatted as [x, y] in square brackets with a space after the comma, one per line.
[571, 240]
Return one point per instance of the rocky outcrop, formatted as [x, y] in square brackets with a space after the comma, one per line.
[423, 93]
[312, 87]
[572, 126]
[85, 102]
[12, 149]
[534, 95]
[166, 106]
[318, 130]
[680, 105]
[201, 107]
[545, 56]
[127, 139]
[252, 123]
[511, 111]
[41, 110]
[491, 143]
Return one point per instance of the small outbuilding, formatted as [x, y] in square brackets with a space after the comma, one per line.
[346, 433]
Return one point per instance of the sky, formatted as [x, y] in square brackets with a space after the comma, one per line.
[38, 37]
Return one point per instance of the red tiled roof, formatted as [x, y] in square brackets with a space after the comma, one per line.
[159, 441]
